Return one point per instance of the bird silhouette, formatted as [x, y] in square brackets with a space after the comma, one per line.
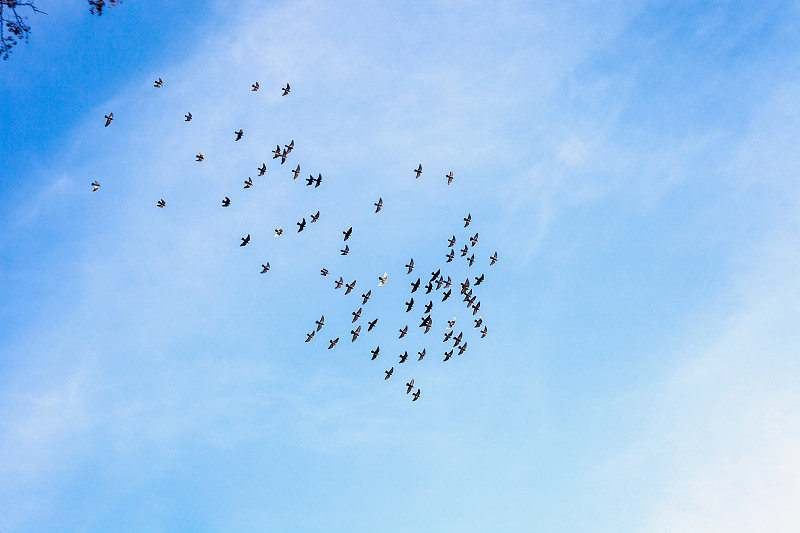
[318, 180]
[264, 268]
[403, 332]
[289, 147]
[418, 170]
[479, 279]
[416, 395]
[447, 336]
[296, 172]
[473, 240]
[451, 323]
[409, 305]
[451, 241]
[339, 283]
[428, 288]
[355, 333]
[158, 83]
[383, 279]
[356, 314]
[324, 271]
[285, 90]
[302, 225]
[372, 324]
[410, 386]
[255, 86]
[310, 336]
[494, 259]
[375, 353]
[315, 217]
[484, 331]
[450, 256]
[464, 251]
[238, 134]
[262, 169]
[448, 355]
[404, 357]
[161, 203]
[449, 177]
[333, 343]
[410, 265]
[388, 373]
[471, 259]
[95, 186]
[248, 183]
[347, 233]
[428, 307]
[245, 240]
[279, 232]
[421, 355]
[187, 117]
[476, 308]
[320, 322]
[350, 287]
[467, 220]
[346, 250]
[379, 205]
[276, 153]
[109, 118]
[199, 157]
[462, 349]
[478, 322]
[415, 285]
[446, 294]
[366, 296]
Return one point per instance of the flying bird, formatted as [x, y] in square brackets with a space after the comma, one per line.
[238, 134]
[447, 282]
[403, 332]
[187, 117]
[418, 170]
[463, 347]
[447, 336]
[310, 336]
[199, 157]
[446, 294]
[309, 180]
[428, 307]
[262, 169]
[315, 217]
[109, 118]
[296, 172]
[350, 287]
[428, 288]
[375, 353]
[410, 265]
[479, 279]
[464, 251]
[410, 386]
[372, 324]
[484, 331]
[346, 250]
[264, 268]
[333, 343]
[435, 275]
[255, 86]
[388, 373]
[457, 340]
[161, 203]
[320, 322]
[283, 155]
[276, 153]
[324, 271]
[302, 225]
[379, 205]
[473, 240]
[404, 357]
[448, 355]
[467, 220]
[383, 279]
[471, 259]
[478, 322]
[366, 296]
[95, 186]
[355, 333]
[439, 283]
[426, 321]
[158, 83]
[347, 233]
[289, 147]
[415, 285]
[356, 314]
[416, 395]
[450, 256]
[451, 323]
[409, 305]
[245, 240]
[421, 354]
[248, 183]
[476, 308]
[339, 283]
[279, 232]
[494, 259]
[449, 177]
[318, 180]
[285, 90]
[451, 242]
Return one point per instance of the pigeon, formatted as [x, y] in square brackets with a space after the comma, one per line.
[333, 343]
[416, 395]
[473, 240]
[478, 280]
[494, 259]
[318, 180]
[375, 353]
[346, 250]
[320, 322]
[447, 336]
[446, 295]
[255, 86]
[476, 308]
[447, 282]
[388, 373]
[428, 307]
[239, 134]
[464, 251]
[451, 323]
[465, 286]
[262, 169]
[339, 283]
[435, 275]
[296, 172]
[161, 203]
[314, 217]
[158, 83]
[457, 340]
[279, 232]
[449, 177]
[471, 259]
[285, 90]
[463, 347]
[410, 265]
[355, 333]
[451, 242]
[467, 220]
[366, 296]
[350, 287]
[428, 288]
[347, 233]
[418, 170]
[415, 285]
[410, 386]
[109, 118]
[302, 225]
[226, 202]
[409, 305]
[187, 117]
[245, 240]
[248, 183]
[383, 279]
[276, 153]
[372, 324]
[95, 186]
[309, 180]
[310, 336]
[289, 147]
[484, 331]
[324, 271]
[421, 355]
[403, 332]
[450, 256]
[478, 322]
[439, 283]
[199, 157]
[404, 357]
[379, 205]
[448, 355]
[264, 268]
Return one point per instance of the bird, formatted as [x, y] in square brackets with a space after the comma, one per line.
[451, 323]
[416, 395]
[471, 259]
[315, 217]
[262, 169]
[479, 279]
[245, 240]
[279, 232]
[410, 386]
[324, 271]
[372, 324]
[109, 118]
[95, 186]
[409, 305]
[302, 225]
[467, 220]
[318, 180]
[404, 357]
[415, 285]
[310, 336]
[285, 90]
[426, 321]
[161, 203]
[276, 153]
[473, 240]
[199, 157]
[346, 250]
[428, 288]
[296, 172]
[471, 301]
[450, 256]
[410, 265]
[339, 283]
[448, 355]
[478, 322]
[355, 333]
[463, 347]
[375, 353]
[347, 233]
[464, 251]
[457, 340]
[439, 283]
[449, 177]
[289, 147]
[264, 268]
[427, 329]
[366, 296]
[158, 83]
[435, 275]
[238, 134]
[403, 332]
[476, 308]
[451, 241]
[383, 279]
[309, 180]
[320, 322]
[187, 117]
[421, 355]
[484, 331]
[465, 286]
[467, 296]
[428, 307]
[446, 294]
[255, 86]
[388, 373]
[379, 205]
[248, 183]
[447, 336]
[447, 282]
[283, 155]
[350, 287]
[494, 259]
[333, 343]
[418, 170]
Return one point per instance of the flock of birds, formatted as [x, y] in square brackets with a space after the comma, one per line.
[437, 282]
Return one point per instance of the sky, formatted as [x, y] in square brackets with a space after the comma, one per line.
[633, 164]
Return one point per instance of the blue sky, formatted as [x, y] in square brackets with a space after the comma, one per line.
[635, 166]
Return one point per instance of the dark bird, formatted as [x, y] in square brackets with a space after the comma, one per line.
[478, 280]
[238, 134]
[379, 205]
[476, 308]
[450, 256]
[339, 283]
[356, 314]
[446, 294]
[255, 86]
[296, 172]
[372, 324]
[428, 288]
[245, 240]
[289, 147]
[470, 301]
[95, 186]
[161, 203]
[333, 343]
[457, 340]
[276, 153]
[467, 220]
[264, 268]
[439, 283]
[471, 259]
[404, 357]
[347, 233]
[449, 177]
[388, 373]
[484, 331]
[467, 296]
[320, 322]
[283, 155]
[309, 180]
[355, 333]
[199, 157]
[158, 83]
[383, 279]
[346, 250]
[451, 242]
[435, 275]
[285, 90]
[465, 286]
[451, 323]
[447, 282]
[427, 329]
[403, 332]
[410, 265]
[447, 336]
[375, 353]
[310, 336]
[318, 180]
[187, 117]
[366, 296]
[462, 349]
[302, 225]
[421, 355]
[426, 321]
[494, 259]
[409, 305]
[418, 170]
[415, 285]
[262, 169]
[478, 322]
[428, 307]
[473, 240]
[109, 118]
[416, 395]
[248, 183]
[464, 251]
[279, 232]
[410, 386]
[315, 217]
[448, 355]
[324, 271]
